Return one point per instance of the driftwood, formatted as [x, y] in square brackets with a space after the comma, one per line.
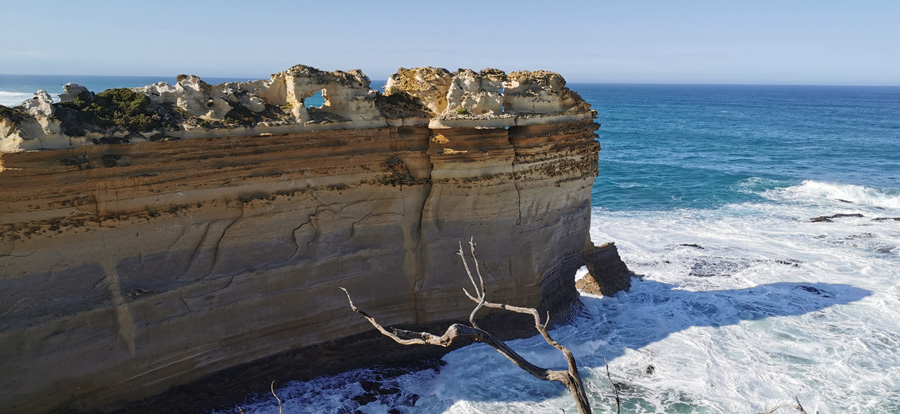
[570, 377]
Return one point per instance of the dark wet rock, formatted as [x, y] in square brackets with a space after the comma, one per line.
[717, 266]
[624, 388]
[789, 262]
[885, 249]
[845, 201]
[365, 398]
[376, 390]
[692, 245]
[370, 386]
[388, 391]
[886, 219]
[650, 370]
[810, 289]
[813, 290]
[607, 273]
[834, 216]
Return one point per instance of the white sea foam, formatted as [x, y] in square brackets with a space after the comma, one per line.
[855, 194]
[740, 309]
[13, 98]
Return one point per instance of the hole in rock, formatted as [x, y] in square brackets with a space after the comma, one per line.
[316, 100]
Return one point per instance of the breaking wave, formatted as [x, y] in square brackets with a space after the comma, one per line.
[13, 98]
[814, 191]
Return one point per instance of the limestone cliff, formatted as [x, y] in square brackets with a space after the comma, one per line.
[152, 236]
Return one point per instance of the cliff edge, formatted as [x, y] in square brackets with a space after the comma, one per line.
[152, 236]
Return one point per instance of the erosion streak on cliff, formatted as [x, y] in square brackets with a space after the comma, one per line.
[129, 267]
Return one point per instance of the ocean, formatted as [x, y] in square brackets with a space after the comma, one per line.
[744, 302]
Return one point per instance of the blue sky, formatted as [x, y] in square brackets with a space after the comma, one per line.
[700, 41]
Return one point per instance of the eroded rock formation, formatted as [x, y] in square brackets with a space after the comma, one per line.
[152, 236]
[607, 273]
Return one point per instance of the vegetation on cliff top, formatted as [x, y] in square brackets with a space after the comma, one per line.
[13, 114]
[119, 107]
[397, 104]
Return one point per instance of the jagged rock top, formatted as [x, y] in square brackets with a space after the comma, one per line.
[192, 108]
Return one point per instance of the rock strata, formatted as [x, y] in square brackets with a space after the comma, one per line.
[152, 236]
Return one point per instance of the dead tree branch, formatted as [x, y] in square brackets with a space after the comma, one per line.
[613, 385]
[272, 387]
[570, 377]
[798, 407]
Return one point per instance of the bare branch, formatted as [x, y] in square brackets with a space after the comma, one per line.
[798, 407]
[613, 385]
[773, 409]
[477, 268]
[272, 387]
[404, 337]
[468, 272]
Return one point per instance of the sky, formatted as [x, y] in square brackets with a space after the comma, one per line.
[823, 42]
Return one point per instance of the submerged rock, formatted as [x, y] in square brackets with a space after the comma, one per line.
[833, 216]
[718, 266]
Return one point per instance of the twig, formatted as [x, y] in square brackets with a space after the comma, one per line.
[272, 387]
[798, 407]
[613, 385]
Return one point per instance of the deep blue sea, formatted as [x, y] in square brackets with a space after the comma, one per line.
[744, 302]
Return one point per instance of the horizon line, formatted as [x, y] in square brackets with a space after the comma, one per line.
[660, 83]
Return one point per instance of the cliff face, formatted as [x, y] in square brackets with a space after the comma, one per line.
[135, 260]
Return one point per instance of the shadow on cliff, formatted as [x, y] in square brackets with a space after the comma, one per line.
[648, 313]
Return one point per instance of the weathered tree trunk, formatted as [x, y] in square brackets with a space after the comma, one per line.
[570, 378]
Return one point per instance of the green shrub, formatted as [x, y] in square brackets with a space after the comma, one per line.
[13, 114]
[119, 107]
[400, 97]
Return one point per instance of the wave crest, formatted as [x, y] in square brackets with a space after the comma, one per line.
[814, 191]
[13, 98]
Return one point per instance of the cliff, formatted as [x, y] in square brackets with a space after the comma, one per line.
[152, 236]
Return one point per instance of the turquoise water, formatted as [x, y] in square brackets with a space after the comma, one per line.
[690, 146]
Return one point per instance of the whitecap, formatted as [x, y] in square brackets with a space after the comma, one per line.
[817, 191]
[11, 99]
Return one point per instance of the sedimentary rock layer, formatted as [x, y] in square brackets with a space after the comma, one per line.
[128, 268]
